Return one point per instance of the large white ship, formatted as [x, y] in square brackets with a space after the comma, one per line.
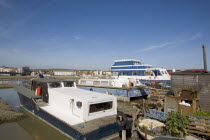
[130, 68]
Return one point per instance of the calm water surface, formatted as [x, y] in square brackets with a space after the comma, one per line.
[14, 82]
[30, 128]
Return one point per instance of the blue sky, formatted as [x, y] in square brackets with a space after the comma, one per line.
[91, 34]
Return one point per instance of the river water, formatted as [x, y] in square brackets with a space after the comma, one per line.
[14, 82]
[30, 128]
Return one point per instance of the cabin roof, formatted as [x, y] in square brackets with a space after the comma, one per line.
[81, 93]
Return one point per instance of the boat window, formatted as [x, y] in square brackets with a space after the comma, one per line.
[104, 83]
[165, 72]
[68, 83]
[96, 83]
[124, 73]
[83, 82]
[79, 104]
[159, 73]
[135, 73]
[55, 85]
[100, 107]
[162, 72]
[148, 72]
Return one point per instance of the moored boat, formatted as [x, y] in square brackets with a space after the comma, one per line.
[78, 113]
[130, 68]
[117, 86]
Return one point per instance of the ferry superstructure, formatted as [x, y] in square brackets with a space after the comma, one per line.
[131, 68]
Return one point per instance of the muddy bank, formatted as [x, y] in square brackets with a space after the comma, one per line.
[2, 78]
[6, 86]
[16, 77]
[7, 114]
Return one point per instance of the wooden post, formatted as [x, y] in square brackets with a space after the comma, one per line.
[194, 105]
[145, 132]
[123, 134]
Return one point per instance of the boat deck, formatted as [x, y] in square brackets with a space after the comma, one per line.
[81, 127]
[95, 124]
[40, 103]
[84, 127]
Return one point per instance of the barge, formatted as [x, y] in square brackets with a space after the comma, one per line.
[77, 113]
[123, 89]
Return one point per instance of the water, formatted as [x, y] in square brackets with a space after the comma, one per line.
[30, 128]
[13, 82]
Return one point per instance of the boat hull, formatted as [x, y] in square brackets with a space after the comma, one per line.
[102, 132]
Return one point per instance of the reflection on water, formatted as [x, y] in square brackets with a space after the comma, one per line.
[29, 128]
[14, 82]
[11, 97]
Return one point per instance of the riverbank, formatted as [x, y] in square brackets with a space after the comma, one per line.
[3, 78]
[2, 86]
[7, 114]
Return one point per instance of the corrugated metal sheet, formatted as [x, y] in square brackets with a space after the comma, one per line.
[195, 80]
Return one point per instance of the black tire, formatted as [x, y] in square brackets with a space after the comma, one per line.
[121, 122]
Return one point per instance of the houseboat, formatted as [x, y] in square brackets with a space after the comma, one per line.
[78, 113]
[120, 87]
[130, 68]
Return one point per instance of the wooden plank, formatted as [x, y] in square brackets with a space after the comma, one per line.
[200, 129]
[197, 132]
[200, 117]
[200, 121]
[206, 126]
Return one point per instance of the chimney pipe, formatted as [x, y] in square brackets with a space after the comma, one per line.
[204, 58]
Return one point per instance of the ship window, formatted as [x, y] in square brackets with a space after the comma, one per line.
[96, 83]
[165, 72]
[162, 72]
[68, 84]
[124, 73]
[135, 73]
[100, 107]
[55, 85]
[104, 83]
[83, 82]
[148, 72]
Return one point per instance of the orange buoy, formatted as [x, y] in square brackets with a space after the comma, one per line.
[38, 91]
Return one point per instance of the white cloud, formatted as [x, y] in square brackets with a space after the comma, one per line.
[76, 37]
[198, 35]
[157, 46]
[169, 44]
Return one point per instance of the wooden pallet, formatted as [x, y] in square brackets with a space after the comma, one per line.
[199, 125]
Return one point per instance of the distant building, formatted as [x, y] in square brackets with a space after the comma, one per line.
[14, 70]
[24, 70]
[97, 72]
[65, 72]
[107, 73]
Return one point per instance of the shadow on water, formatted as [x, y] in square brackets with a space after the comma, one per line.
[30, 128]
